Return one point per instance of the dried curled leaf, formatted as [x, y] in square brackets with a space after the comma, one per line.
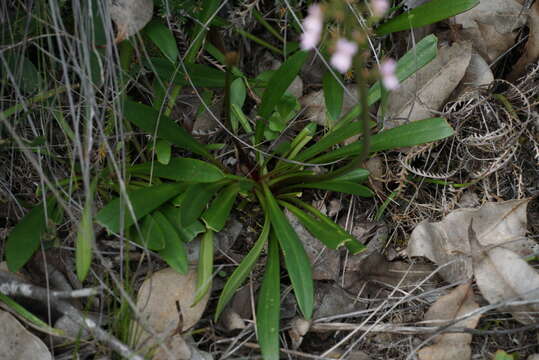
[450, 307]
[502, 224]
[130, 16]
[427, 90]
[502, 275]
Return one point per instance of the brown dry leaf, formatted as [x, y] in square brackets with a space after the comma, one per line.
[17, 343]
[457, 303]
[491, 26]
[531, 52]
[502, 275]
[426, 91]
[502, 223]
[130, 16]
[164, 304]
[478, 73]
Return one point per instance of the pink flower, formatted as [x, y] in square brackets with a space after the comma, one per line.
[379, 7]
[343, 54]
[387, 70]
[312, 27]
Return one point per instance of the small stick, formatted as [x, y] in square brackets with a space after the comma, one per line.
[10, 285]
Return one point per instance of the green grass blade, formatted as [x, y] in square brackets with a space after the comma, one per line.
[143, 201]
[84, 242]
[163, 38]
[414, 133]
[279, 82]
[149, 120]
[217, 214]
[174, 252]
[333, 95]
[269, 305]
[181, 169]
[356, 175]
[205, 266]
[297, 262]
[426, 14]
[243, 270]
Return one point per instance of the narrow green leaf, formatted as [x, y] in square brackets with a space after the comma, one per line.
[325, 234]
[279, 82]
[297, 262]
[149, 120]
[143, 201]
[333, 95]
[181, 169]
[346, 187]
[23, 312]
[243, 270]
[24, 239]
[217, 214]
[205, 266]
[198, 196]
[352, 245]
[414, 133]
[163, 150]
[356, 176]
[200, 75]
[163, 38]
[269, 305]
[174, 252]
[426, 14]
[238, 93]
[84, 242]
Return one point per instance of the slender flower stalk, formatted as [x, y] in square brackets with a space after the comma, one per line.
[343, 55]
[387, 70]
[313, 25]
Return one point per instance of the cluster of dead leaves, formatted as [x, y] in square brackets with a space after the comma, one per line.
[488, 244]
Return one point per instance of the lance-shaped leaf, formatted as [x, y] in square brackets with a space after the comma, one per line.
[143, 202]
[426, 14]
[151, 235]
[174, 252]
[243, 270]
[181, 169]
[84, 242]
[163, 38]
[187, 233]
[279, 82]
[351, 243]
[149, 120]
[324, 233]
[25, 237]
[415, 133]
[268, 306]
[346, 187]
[216, 215]
[333, 94]
[296, 260]
[205, 266]
[197, 198]
[200, 75]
